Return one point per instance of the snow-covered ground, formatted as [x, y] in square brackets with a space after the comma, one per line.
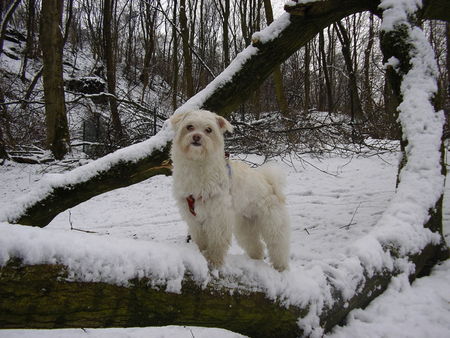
[332, 202]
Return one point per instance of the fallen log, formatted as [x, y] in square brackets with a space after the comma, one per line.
[42, 296]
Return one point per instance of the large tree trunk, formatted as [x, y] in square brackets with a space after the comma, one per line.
[40, 296]
[51, 41]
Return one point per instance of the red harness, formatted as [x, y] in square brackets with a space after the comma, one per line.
[191, 204]
[191, 200]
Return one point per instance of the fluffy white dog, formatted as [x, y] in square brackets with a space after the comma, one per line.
[215, 195]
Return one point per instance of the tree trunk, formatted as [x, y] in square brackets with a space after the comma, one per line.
[4, 122]
[41, 296]
[118, 175]
[277, 75]
[225, 29]
[355, 103]
[52, 48]
[187, 56]
[148, 26]
[109, 43]
[367, 92]
[29, 47]
[175, 67]
[323, 57]
[4, 22]
[447, 92]
[307, 79]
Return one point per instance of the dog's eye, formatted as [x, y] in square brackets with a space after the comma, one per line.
[208, 130]
[190, 127]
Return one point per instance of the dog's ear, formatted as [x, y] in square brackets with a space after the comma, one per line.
[176, 119]
[224, 125]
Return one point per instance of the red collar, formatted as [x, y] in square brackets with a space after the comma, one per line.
[191, 200]
[191, 204]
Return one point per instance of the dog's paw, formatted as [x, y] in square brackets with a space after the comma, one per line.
[281, 267]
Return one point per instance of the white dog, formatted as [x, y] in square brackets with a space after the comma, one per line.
[215, 195]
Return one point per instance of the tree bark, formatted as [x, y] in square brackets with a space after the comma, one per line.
[5, 20]
[29, 47]
[121, 174]
[52, 49]
[187, 56]
[328, 86]
[175, 67]
[41, 296]
[109, 42]
[355, 103]
[277, 75]
[367, 92]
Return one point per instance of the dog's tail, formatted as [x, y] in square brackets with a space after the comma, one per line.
[276, 178]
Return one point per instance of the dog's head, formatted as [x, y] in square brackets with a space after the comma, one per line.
[199, 134]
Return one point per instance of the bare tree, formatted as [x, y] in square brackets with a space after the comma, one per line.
[355, 103]
[51, 42]
[277, 75]
[187, 55]
[4, 21]
[109, 45]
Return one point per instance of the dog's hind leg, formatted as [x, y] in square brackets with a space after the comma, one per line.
[275, 230]
[248, 237]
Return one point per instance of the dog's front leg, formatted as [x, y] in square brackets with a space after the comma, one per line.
[218, 229]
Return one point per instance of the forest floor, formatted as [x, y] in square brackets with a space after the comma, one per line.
[332, 202]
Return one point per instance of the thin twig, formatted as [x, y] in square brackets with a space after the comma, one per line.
[75, 229]
[351, 221]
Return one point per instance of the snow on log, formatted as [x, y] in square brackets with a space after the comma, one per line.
[54, 279]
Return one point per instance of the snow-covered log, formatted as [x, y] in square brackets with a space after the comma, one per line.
[45, 296]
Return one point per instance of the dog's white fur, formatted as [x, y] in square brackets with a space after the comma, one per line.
[227, 197]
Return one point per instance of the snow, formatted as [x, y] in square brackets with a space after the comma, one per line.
[404, 310]
[157, 332]
[421, 182]
[273, 30]
[50, 182]
[197, 101]
[138, 232]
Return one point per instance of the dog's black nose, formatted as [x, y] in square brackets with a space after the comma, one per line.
[196, 137]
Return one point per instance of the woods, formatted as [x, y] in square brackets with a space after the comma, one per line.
[338, 70]
[323, 59]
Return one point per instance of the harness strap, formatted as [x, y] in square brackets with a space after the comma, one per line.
[191, 200]
[191, 204]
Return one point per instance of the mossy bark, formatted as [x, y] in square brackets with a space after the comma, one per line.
[41, 296]
[120, 175]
